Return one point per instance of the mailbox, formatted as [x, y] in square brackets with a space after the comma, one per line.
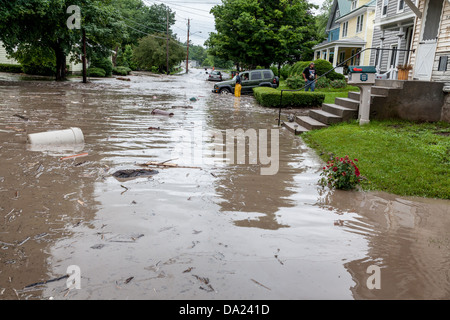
[360, 75]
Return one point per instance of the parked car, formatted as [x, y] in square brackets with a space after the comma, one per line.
[215, 76]
[249, 80]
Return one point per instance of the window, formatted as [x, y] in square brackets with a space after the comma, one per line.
[354, 4]
[256, 75]
[384, 7]
[344, 29]
[443, 63]
[401, 6]
[358, 57]
[267, 75]
[338, 13]
[393, 57]
[341, 56]
[359, 23]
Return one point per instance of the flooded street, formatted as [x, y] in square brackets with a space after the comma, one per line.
[207, 229]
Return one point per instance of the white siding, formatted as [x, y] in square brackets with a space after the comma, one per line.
[3, 56]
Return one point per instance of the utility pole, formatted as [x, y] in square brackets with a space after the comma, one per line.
[84, 57]
[167, 51]
[187, 57]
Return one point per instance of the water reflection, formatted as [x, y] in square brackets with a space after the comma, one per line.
[408, 238]
[243, 188]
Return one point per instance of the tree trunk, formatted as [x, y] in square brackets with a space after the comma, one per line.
[60, 63]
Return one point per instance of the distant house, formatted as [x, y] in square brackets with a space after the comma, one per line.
[350, 30]
[73, 67]
[3, 56]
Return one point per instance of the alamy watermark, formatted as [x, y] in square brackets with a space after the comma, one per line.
[231, 146]
[74, 279]
[374, 280]
[74, 21]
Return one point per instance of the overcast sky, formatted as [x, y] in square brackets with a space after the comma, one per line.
[197, 11]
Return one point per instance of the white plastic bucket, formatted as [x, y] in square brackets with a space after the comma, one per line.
[59, 137]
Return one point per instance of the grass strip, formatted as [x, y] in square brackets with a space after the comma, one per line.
[398, 157]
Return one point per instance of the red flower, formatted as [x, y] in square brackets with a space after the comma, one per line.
[335, 169]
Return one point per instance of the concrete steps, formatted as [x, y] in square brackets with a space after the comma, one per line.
[343, 109]
[294, 127]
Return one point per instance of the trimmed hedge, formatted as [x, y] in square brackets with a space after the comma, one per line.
[96, 72]
[121, 71]
[322, 66]
[11, 68]
[270, 97]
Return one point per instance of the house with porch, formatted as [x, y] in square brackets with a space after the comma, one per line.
[431, 41]
[416, 33]
[350, 30]
[393, 32]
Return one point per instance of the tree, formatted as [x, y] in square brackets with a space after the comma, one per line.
[197, 53]
[263, 32]
[151, 52]
[322, 19]
[29, 25]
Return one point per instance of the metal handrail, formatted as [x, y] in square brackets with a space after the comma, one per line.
[323, 75]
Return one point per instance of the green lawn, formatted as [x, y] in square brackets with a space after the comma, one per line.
[398, 157]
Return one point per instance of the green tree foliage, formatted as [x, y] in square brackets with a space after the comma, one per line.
[263, 32]
[151, 52]
[197, 53]
[33, 24]
[322, 19]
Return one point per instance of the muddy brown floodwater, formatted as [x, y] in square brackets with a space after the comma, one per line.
[204, 230]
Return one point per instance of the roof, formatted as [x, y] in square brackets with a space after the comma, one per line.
[371, 4]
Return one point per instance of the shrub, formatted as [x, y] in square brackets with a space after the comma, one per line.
[103, 63]
[270, 97]
[285, 71]
[295, 82]
[322, 66]
[338, 84]
[121, 71]
[12, 68]
[39, 69]
[96, 72]
[323, 82]
[341, 173]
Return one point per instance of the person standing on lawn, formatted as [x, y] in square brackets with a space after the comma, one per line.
[310, 76]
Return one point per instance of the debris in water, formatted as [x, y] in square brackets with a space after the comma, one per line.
[128, 280]
[125, 174]
[74, 156]
[154, 128]
[21, 117]
[162, 112]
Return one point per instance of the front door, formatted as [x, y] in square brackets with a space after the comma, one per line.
[428, 40]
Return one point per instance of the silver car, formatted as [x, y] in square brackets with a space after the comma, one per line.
[215, 76]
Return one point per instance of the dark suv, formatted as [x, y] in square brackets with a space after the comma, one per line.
[249, 80]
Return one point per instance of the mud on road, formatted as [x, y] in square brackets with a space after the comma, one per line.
[202, 229]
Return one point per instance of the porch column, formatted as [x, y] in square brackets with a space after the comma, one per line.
[397, 56]
[335, 56]
[328, 54]
[380, 52]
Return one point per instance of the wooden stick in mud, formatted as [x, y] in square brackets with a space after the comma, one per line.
[166, 165]
[74, 156]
